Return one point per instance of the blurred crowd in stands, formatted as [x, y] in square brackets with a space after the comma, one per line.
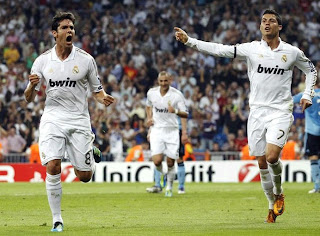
[133, 40]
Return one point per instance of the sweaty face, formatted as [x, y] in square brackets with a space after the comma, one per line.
[64, 34]
[269, 26]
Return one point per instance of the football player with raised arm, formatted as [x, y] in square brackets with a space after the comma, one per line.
[270, 64]
[164, 105]
[312, 137]
[69, 73]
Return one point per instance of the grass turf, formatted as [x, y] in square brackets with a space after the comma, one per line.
[127, 209]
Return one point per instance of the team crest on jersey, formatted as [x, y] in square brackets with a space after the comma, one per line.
[284, 58]
[75, 70]
[50, 70]
[260, 56]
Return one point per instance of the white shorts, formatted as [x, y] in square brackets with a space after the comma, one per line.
[267, 125]
[165, 141]
[64, 141]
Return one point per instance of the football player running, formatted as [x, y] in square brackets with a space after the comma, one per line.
[164, 105]
[65, 128]
[270, 65]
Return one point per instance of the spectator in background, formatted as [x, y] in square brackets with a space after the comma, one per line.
[115, 139]
[16, 143]
[34, 154]
[245, 153]
[241, 140]
[31, 57]
[291, 150]
[11, 54]
[188, 152]
[136, 154]
[208, 132]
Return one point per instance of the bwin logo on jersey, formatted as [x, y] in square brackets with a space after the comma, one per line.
[62, 83]
[270, 70]
[165, 110]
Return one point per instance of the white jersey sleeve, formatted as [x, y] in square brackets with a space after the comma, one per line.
[304, 64]
[269, 71]
[93, 77]
[215, 49]
[37, 69]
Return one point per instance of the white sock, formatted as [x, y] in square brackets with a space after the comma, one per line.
[170, 177]
[159, 168]
[54, 192]
[267, 186]
[275, 170]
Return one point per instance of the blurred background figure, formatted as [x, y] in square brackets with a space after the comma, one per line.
[136, 152]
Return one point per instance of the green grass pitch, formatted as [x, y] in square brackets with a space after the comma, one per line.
[127, 209]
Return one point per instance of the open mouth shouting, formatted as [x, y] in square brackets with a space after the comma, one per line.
[69, 39]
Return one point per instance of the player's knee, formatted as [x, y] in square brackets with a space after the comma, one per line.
[272, 158]
[84, 176]
[54, 167]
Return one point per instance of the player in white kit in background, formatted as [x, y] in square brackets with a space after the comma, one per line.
[270, 65]
[65, 129]
[164, 104]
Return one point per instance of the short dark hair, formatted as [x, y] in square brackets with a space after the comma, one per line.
[273, 12]
[60, 16]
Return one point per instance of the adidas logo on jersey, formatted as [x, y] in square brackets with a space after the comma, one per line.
[62, 83]
[165, 110]
[270, 70]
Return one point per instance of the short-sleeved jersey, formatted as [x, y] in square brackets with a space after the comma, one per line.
[269, 71]
[312, 114]
[160, 114]
[67, 84]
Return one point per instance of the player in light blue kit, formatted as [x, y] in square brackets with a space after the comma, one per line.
[312, 137]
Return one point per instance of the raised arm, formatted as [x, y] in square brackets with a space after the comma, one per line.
[30, 92]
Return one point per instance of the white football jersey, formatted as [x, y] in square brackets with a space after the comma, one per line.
[67, 84]
[269, 71]
[160, 114]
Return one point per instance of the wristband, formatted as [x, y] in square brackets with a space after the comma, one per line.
[176, 111]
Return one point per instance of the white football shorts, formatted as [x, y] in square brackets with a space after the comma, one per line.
[165, 141]
[64, 141]
[267, 125]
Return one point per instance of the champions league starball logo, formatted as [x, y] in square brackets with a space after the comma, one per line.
[249, 173]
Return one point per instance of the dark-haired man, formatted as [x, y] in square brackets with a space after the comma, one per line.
[65, 128]
[270, 65]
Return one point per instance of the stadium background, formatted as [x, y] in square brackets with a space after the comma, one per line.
[132, 41]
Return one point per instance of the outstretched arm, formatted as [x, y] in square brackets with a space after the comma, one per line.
[214, 49]
[181, 35]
